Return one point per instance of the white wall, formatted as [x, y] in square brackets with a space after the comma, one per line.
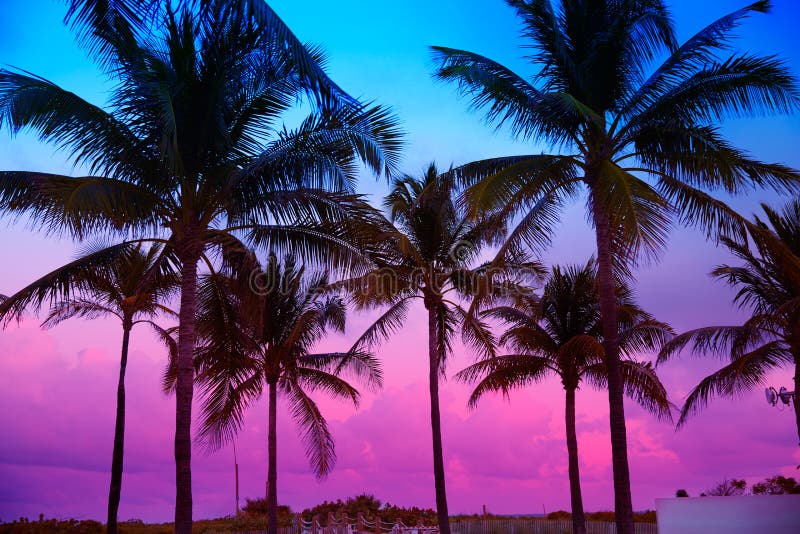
[745, 514]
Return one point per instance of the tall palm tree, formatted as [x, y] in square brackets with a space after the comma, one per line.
[641, 140]
[424, 251]
[190, 151]
[560, 334]
[98, 284]
[767, 284]
[258, 333]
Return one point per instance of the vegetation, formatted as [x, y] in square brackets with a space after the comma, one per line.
[559, 334]
[768, 285]
[257, 334]
[52, 526]
[644, 148]
[260, 507]
[125, 282]
[727, 488]
[648, 516]
[777, 485]
[424, 252]
[371, 508]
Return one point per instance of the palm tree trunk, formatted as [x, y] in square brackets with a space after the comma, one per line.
[578, 519]
[436, 426]
[623, 507]
[272, 468]
[184, 390]
[119, 434]
[796, 399]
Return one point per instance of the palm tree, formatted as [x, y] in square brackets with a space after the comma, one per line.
[641, 140]
[424, 252]
[258, 333]
[190, 150]
[127, 285]
[560, 334]
[767, 284]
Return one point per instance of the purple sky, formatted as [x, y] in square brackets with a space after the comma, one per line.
[57, 387]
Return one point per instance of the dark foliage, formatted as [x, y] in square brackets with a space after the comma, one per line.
[371, 508]
[777, 485]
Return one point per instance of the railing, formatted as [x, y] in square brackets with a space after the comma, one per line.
[538, 526]
[361, 525]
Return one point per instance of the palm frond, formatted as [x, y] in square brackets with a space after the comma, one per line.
[93, 137]
[645, 335]
[80, 308]
[66, 283]
[278, 38]
[641, 384]
[695, 53]
[325, 149]
[639, 213]
[504, 373]
[741, 86]
[476, 334]
[509, 99]
[311, 380]
[225, 402]
[102, 26]
[384, 326]
[543, 30]
[359, 365]
[317, 439]
[80, 206]
[743, 374]
[716, 340]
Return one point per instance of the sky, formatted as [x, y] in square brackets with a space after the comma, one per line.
[57, 387]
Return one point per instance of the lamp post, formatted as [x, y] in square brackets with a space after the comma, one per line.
[236, 471]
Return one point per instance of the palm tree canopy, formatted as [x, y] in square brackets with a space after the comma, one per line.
[126, 280]
[191, 140]
[257, 330]
[427, 249]
[642, 137]
[559, 333]
[767, 283]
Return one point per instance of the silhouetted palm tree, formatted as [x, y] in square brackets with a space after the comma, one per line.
[560, 334]
[190, 148]
[258, 333]
[640, 140]
[425, 252]
[124, 282]
[767, 284]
